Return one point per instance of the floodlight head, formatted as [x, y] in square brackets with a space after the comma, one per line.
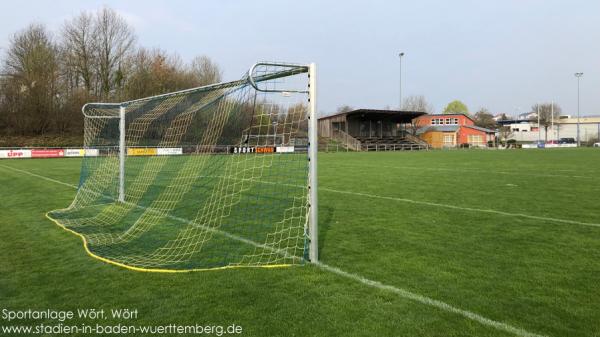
[401, 54]
[578, 74]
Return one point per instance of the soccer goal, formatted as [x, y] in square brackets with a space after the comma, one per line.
[218, 176]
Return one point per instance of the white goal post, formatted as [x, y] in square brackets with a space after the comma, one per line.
[313, 151]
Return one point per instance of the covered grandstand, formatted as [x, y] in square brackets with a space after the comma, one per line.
[372, 130]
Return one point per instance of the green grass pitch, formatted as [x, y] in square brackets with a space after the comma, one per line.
[512, 237]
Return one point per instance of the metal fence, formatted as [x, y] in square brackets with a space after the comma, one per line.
[337, 147]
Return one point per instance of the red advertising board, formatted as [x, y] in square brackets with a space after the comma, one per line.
[49, 153]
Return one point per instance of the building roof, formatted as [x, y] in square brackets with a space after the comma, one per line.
[562, 120]
[451, 128]
[512, 121]
[439, 128]
[395, 115]
[449, 115]
[479, 128]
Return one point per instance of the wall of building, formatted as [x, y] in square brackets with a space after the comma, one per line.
[467, 136]
[458, 119]
[440, 139]
[587, 131]
[433, 138]
[358, 126]
[436, 139]
[326, 125]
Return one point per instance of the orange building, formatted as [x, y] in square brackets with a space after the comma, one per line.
[452, 130]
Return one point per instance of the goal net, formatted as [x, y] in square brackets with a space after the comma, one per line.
[210, 177]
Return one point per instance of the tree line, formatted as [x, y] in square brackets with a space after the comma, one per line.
[47, 77]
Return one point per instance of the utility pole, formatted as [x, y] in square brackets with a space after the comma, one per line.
[578, 75]
[400, 56]
[552, 121]
[539, 130]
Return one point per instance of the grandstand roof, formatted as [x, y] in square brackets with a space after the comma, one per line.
[400, 116]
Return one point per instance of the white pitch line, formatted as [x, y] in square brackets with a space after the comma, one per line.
[470, 209]
[39, 176]
[504, 172]
[430, 301]
[428, 203]
[375, 284]
[417, 202]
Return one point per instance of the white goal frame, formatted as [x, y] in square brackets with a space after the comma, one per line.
[311, 69]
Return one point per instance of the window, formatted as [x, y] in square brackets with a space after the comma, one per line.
[448, 121]
[476, 140]
[448, 139]
[455, 121]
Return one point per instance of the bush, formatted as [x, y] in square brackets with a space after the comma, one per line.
[591, 141]
[42, 141]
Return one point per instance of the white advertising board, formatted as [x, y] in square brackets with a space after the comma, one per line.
[169, 151]
[15, 154]
[74, 152]
[92, 152]
[285, 149]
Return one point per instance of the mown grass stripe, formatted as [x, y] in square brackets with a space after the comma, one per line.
[417, 202]
[470, 209]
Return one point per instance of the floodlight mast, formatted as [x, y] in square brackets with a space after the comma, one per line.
[578, 75]
[400, 55]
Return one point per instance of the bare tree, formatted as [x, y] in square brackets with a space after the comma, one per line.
[343, 108]
[43, 84]
[483, 118]
[79, 46]
[548, 112]
[504, 133]
[156, 71]
[417, 103]
[205, 71]
[32, 70]
[115, 40]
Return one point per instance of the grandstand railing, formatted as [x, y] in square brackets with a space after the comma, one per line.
[394, 147]
[348, 141]
[416, 139]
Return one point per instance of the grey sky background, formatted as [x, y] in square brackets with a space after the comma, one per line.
[504, 55]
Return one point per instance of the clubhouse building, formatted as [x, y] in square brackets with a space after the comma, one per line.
[452, 130]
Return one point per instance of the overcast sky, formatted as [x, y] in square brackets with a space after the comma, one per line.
[504, 55]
